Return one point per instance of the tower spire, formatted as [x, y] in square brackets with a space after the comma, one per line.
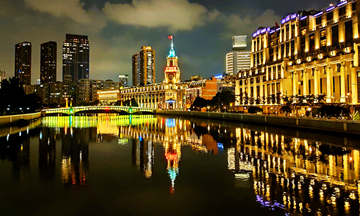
[172, 50]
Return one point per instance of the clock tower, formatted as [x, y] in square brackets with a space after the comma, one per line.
[172, 70]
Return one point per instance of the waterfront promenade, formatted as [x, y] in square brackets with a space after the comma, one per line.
[327, 125]
[7, 119]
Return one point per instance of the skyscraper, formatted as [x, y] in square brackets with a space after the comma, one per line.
[48, 55]
[23, 62]
[238, 59]
[75, 58]
[136, 69]
[144, 66]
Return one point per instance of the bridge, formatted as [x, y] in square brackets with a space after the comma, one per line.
[97, 109]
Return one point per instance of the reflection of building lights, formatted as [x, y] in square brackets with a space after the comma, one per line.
[170, 123]
[268, 204]
[242, 176]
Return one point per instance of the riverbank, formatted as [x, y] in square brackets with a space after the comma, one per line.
[339, 126]
[9, 119]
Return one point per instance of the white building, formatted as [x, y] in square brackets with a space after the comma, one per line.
[238, 58]
[236, 61]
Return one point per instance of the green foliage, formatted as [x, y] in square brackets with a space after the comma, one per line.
[222, 100]
[285, 109]
[329, 111]
[199, 103]
[15, 101]
[254, 109]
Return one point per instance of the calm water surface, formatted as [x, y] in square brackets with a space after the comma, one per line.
[152, 165]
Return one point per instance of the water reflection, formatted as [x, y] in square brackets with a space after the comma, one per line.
[289, 172]
[301, 175]
[143, 155]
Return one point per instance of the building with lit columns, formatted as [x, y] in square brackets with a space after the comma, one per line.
[170, 94]
[310, 53]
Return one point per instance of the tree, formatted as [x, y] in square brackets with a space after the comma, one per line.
[199, 103]
[223, 99]
[285, 109]
[254, 109]
[14, 99]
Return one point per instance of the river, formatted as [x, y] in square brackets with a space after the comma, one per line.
[154, 165]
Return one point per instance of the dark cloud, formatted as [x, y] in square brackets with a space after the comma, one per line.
[118, 28]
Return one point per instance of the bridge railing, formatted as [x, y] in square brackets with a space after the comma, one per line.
[72, 110]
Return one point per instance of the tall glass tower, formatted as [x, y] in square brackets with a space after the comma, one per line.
[48, 55]
[75, 58]
[23, 62]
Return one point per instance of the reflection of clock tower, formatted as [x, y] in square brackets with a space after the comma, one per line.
[172, 70]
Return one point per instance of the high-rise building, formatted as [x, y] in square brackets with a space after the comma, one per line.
[110, 84]
[239, 42]
[229, 62]
[75, 58]
[83, 91]
[48, 55]
[23, 62]
[136, 69]
[147, 65]
[56, 93]
[144, 67]
[238, 59]
[95, 86]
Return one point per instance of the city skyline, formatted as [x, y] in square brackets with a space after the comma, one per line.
[114, 42]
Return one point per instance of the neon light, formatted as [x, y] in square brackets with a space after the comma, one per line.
[330, 8]
[220, 146]
[219, 76]
[288, 18]
[318, 14]
[170, 123]
[302, 18]
[342, 3]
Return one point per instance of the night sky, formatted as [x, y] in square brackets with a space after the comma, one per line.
[118, 28]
